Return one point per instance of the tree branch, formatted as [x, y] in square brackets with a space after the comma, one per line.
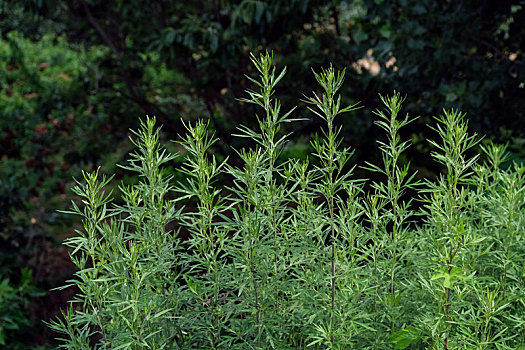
[100, 31]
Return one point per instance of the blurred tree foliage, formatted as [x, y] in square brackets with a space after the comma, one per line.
[76, 74]
[163, 54]
[14, 300]
[49, 127]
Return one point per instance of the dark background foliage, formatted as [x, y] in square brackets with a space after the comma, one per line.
[77, 74]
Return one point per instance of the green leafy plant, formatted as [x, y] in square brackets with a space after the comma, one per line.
[299, 253]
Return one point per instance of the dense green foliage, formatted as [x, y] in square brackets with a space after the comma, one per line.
[48, 126]
[441, 53]
[76, 73]
[298, 253]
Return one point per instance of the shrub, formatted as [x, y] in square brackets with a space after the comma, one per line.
[298, 253]
[45, 115]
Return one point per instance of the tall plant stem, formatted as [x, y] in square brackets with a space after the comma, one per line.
[332, 235]
[332, 160]
[258, 310]
[332, 149]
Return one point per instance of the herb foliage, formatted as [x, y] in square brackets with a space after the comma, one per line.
[298, 253]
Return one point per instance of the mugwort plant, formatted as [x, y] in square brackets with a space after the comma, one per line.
[295, 254]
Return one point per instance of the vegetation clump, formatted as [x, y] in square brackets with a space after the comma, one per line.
[294, 254]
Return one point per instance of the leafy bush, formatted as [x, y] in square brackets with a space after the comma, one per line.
[298, 253]
[45, 117]
[50, 128]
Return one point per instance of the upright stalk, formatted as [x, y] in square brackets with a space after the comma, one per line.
[333, 161]
[271, 195]
[447, 207]
[393, 211]
[207, 240]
